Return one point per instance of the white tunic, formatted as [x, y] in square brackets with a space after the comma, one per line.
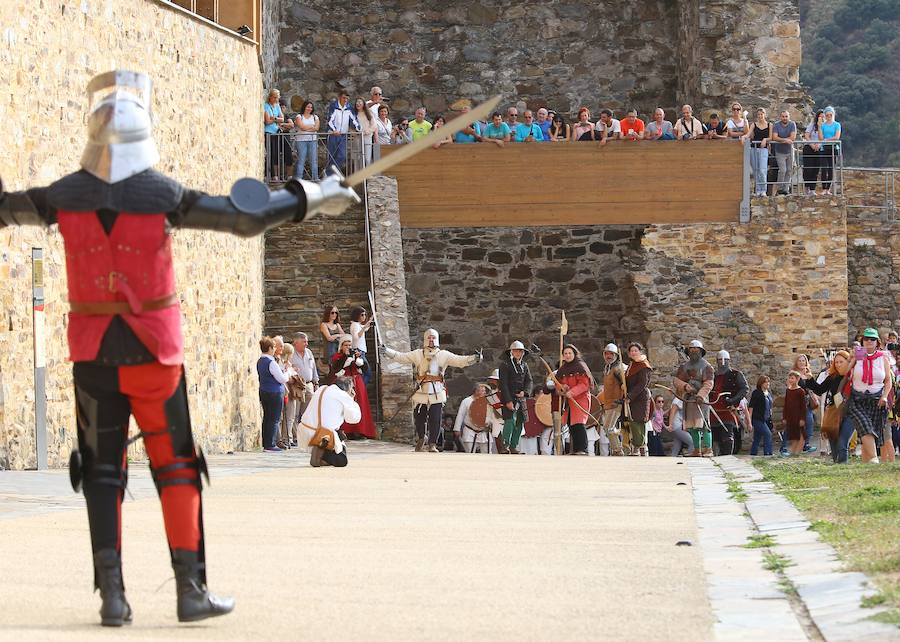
[462, 423]
[431, 361]
[337, 407]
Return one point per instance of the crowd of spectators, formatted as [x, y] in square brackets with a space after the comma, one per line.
[369, 121]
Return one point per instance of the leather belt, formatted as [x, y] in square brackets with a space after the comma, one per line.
[430, 378]
[122, 307]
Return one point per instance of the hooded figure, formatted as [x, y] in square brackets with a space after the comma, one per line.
[430, 362]
[693, 382]
[611, 397]
[116, 216]
[575, 385]
[515, 385]
[726, 430]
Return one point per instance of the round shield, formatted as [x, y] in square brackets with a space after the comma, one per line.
[478, 412]
[543, 409]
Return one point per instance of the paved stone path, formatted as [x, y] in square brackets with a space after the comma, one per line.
[410, 546]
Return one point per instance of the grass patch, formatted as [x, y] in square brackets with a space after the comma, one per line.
[759, 541]
[775, 562]
[787, 587]
[735, 489]
[855, 508]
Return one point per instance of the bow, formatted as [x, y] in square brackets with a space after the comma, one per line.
[558, 383]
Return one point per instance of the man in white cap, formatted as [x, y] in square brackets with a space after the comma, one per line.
[430, 362]
[693, 382]
[724, 420]
[515, 385]
[612, 394]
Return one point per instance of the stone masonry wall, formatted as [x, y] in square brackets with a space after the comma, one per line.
[873, 253]
[646, 53]
[764, 291]
[207, 101]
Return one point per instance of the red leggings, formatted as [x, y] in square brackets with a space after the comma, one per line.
[155, 394]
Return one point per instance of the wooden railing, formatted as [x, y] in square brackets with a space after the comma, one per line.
[482, 185]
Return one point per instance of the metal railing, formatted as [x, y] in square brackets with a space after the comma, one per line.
[809, 166]
[284, 151]
[879, 193]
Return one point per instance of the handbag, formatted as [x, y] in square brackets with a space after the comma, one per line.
[812, 401]
[323, 437]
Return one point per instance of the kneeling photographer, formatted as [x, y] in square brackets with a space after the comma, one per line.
[330, 407]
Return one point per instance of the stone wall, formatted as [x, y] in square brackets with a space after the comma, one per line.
[272, 12]
[873, 251]
[764, 291]
[646, 53]
[207, 97]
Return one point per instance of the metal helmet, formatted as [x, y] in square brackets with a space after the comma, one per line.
[495, 374]
[120, 127]
[722, 355]
[696, 343]
[437, 337]
[611, 347]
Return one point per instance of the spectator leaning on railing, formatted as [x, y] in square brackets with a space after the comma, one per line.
[584, 126]
[784, 132]
[341, 121]
[632, 126]
[496, 131]
[308, 124]
[687, 127]
[559, 129]
[543, 121]
[715, 128]
[528, 131]
[737, 125]
[611, 128]
[401, 135]
[659, 128]
[831, 131]
[812, 153]
[273, 117]
[366, 130]
[383, 127]
[420, 127]
[470, 134]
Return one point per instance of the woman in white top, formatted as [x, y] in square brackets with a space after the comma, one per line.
[868, 405]
[383, 126]
[359, 325]
[737, 125]
[308, 124]
[366, 129]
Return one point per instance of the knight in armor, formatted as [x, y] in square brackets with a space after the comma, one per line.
[515, 386]
[612, 395]
[430, 363]
[116, 216]
[729, 388]
[693, 383]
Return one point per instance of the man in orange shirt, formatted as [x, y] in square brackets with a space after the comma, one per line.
[632, 126]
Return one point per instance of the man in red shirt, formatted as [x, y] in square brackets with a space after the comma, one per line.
[632, 126]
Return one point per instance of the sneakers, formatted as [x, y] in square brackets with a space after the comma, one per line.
[810, 449]
[273, 449]
[432, 448]
[514, 451]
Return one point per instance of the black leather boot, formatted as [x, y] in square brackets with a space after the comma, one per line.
[195, 602]
[115, 610]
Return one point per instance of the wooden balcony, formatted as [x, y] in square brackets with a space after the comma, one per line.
[482, 185]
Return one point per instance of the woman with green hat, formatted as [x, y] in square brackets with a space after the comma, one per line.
[871, 386]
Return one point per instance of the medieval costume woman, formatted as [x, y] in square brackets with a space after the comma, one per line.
[637, 386]
[351, 365]
[575, 384]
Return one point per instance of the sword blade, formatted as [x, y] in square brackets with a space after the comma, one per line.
[405, 151]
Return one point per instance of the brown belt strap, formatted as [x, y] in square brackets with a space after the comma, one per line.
[122, 307]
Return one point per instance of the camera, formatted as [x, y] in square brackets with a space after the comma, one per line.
[893, 347]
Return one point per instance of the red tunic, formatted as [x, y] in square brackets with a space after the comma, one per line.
[580, 386]
[366, 426]
[794, 412]
[132, 264]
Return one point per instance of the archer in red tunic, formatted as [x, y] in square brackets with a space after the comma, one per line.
[349, 363]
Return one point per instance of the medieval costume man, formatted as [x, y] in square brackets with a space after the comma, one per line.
[330, 408]
[535, 429]
[574, 385]
[637, 393]
[693, 382]
[348, 362]
[515, 385]
[729, 388]
[116, 217]
[430, 362]
[473, 421]
[495, 413]
[611, 397]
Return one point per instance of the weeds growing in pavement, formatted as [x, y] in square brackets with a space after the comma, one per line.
[735, 489]
[759, 540]
[775, 562]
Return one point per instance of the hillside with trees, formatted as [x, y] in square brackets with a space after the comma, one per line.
[851, 58]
